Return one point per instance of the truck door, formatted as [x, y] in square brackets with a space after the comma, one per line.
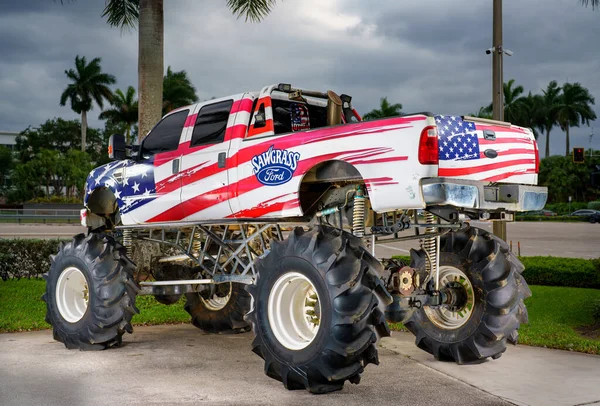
[204, 192]
[156, 167]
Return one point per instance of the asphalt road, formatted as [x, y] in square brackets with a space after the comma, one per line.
[180, 365]
[576, 240]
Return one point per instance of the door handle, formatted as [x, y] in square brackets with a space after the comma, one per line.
[175, 166]
[489, 135]
[222, 159]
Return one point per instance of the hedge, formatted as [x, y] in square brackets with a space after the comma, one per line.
[557, 271]
[30, 258]
[25, 258]
[571, 219]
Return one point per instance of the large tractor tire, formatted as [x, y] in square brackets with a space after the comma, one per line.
[90, 293]
[222, 311]
[316, 312]
[482, 266]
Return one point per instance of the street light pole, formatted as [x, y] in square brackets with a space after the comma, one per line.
[499, 227]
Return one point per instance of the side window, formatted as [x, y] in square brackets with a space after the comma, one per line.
[165, 135]
[211, 123]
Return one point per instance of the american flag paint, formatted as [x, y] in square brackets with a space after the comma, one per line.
[384, 152]
[463, 147]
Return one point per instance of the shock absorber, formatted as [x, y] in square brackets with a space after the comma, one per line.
[358, 213]
[430, 247]
[127, 242]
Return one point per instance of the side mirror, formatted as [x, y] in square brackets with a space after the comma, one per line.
[117, 147]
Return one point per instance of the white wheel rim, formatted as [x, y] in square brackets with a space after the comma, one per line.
[444, 317]
[294, 311]
[72, 294]
[216, 302]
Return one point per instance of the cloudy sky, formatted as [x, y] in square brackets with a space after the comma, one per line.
[426, 55]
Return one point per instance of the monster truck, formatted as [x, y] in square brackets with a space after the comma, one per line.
[271, 204]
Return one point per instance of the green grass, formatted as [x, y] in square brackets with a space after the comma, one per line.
[555, 313]
[21, 308]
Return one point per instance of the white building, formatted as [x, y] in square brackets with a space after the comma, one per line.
[8, 139]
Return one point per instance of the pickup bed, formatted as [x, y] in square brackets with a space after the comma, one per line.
[263, 155]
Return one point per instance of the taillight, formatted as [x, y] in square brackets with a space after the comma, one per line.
[428, 146]
[537, 157]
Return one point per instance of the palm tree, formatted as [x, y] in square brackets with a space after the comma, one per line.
[574, 108]
[549, 117]
[529, 113]
[594, 3]
[149, 14]
[512, 101]
[124, 111]
[385, 110]
[484, 112]
[178, 90]
[89, 85]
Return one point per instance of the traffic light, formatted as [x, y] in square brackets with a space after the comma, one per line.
[578, 155]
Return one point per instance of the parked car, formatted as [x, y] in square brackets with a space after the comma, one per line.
[593, 216]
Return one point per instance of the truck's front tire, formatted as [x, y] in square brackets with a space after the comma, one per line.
[90, 293]
[482, 265]
[315, 311]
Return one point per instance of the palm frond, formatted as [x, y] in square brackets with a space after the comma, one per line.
[122, 13]
[253, 10]
[595, 3]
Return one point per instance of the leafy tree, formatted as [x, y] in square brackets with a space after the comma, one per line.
[385, 110]
[548, 116]
[178, 90]
[89, 85]
[6, 164]
[529, 113]
[124, 113]
[565, 178]
[149, 15]
[574, 108]
[60, 135]
[77, 167]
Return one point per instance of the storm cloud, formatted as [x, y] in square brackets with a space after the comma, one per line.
[429, 56]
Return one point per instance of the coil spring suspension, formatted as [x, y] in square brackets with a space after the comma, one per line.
[429, 245]
[196, 243]
[358, 213]
[128, 242]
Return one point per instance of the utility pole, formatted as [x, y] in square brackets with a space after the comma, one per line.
[591, 136]
[499, 227]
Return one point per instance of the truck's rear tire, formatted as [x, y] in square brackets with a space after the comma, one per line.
[221, 312]
[316, 312]
[90, 293]
[493, 310]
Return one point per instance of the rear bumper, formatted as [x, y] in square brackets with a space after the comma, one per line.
[478, 195]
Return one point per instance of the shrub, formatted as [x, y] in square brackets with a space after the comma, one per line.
[563, 208]
[553, 271]
[593, 205]
[550, 218]
[25, 258]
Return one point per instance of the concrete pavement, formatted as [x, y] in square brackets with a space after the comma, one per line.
[180, 365]
[523, 375]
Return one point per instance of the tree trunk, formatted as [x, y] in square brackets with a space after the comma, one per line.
[568, 140]
[83, 129]
[150, 65]
[547, 142]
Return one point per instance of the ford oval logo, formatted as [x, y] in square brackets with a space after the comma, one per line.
[275, 166]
